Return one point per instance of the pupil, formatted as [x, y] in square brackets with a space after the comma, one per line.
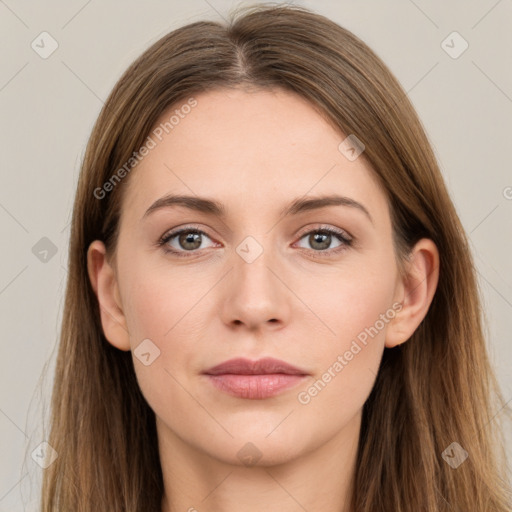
[190, 238]
[317, 237]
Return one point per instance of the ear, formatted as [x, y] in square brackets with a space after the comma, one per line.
[104, 284]
[415, 291]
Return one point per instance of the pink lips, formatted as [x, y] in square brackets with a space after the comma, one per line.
[254, 379]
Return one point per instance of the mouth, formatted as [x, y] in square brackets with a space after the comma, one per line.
[255, 380]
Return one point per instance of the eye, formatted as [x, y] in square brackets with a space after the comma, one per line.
[188, 240]
[182, 241]
[320, 240]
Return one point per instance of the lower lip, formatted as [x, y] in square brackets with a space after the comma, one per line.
[254, 387]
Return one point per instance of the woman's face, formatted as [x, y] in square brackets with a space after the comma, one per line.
[256, 277]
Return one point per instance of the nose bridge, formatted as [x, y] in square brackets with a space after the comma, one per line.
[255, 294]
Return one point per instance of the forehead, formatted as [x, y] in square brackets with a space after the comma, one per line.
[238, 146]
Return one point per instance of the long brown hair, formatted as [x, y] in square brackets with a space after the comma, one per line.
[433, 390]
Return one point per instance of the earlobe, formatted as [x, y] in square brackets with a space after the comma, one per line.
[104, 284]
[417, 289]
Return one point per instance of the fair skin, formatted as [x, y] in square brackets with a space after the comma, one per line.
[255, 152]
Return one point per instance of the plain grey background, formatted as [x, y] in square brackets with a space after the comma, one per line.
[50, 102]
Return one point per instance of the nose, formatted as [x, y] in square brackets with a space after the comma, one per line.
[255, 295]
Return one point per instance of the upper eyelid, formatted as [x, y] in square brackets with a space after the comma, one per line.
[173, 232]
[325, 227]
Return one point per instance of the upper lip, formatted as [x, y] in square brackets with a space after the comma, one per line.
[242, 366]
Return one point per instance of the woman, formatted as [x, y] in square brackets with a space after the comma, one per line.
[271, 301]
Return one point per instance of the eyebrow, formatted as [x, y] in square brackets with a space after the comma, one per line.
[212, 207]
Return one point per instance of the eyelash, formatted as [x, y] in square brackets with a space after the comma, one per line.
[342, 236]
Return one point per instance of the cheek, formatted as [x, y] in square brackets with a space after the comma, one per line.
[357, 307]
[162, 315]
[157, 302]
[162, 309]
[353, 298]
